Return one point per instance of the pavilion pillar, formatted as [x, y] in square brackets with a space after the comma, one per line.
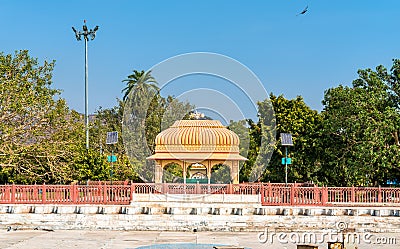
[208, 171]
[235, 172]
[184, 171]
[158, 174]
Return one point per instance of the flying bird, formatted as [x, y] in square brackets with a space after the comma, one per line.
[304, 11]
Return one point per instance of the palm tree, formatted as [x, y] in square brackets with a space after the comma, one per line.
[141, 83]
[143, 101]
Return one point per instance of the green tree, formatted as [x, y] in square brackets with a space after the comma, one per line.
[38, 133]
[260, 143]
[240, 128]
[173, 173]
[265, 152]
[174, 110]
[220, 174]
[243, 131]
[139, 82]
[96, 165]
[145, 113]
[141, 105]
[360, 130]
[295, 117]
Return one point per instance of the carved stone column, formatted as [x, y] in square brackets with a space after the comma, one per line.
[235, 172]
[158, 173]
[208, 167]
[184, 169]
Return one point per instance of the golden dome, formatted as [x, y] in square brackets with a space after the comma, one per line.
[197, 133]
[187, 139]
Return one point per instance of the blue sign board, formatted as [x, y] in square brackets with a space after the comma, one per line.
[111, 159]
[287, 161]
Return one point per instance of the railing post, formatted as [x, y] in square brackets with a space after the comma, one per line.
[72, 193]
[353, 194]
[35, 193]
[262, 189]
[324, 195]
[77, 194]
[132, 191]
[164, 188]
[230, 188]
[7, 196]
[13, 190]
[44, 193]
[197, 188]
[270, 195]
[292, 189]
[105, 196]
[379, 194]
[316, 197]
[327, 194]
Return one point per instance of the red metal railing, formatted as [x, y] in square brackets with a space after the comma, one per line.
[295, 195]
[65, 194]
[272, 194]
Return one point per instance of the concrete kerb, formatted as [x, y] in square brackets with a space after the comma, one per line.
[175, 207]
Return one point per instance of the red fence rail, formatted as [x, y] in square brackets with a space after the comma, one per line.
[329, 196]
[65, 194]
[271, 194]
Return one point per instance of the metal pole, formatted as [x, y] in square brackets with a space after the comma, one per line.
[78, 34]
[286, 165]
[111, 173]
[86, 93]
[112, 166]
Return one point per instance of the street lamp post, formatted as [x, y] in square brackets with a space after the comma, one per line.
[78, 34]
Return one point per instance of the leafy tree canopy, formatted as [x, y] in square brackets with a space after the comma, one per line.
[360, 130]
[37, 130]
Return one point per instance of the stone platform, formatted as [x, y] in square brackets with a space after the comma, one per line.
[72, 239]
[223, 213]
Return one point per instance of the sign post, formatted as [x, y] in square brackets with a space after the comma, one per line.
[112, 138]
[286, 140]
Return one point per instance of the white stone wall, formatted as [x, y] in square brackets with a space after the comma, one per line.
[178, 216]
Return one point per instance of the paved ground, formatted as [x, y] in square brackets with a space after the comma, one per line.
[130, 239]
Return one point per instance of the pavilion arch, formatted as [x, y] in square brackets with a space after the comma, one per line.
[205, 142]
[173, 173]
[221, 174]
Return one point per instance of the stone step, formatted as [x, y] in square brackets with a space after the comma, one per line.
[202, 222]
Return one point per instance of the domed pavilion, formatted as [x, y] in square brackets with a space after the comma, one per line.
[197, 146]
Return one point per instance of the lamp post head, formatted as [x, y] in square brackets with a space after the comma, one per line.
[86, 32]
[93, 32]
[77, 34]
